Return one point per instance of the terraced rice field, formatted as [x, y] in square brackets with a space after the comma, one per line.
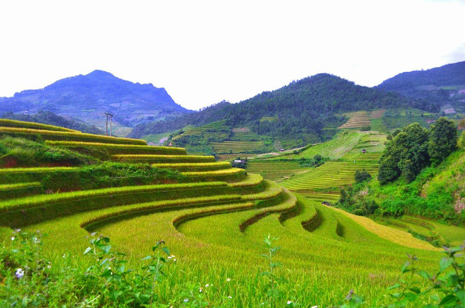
[275, 170]
[324, 182]
[236, 146]
[216, 231]
[356, 120]
[361, 118]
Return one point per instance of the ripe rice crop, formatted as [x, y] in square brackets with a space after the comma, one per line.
[151, 207]
[189, 167]
[230, 175]
[288, 204]
[68, 136]
[272, 190]
[121, 148]
[218, 210]
[390, 234]
[33, 125]
[26, 211]
[153, 159]
[251, 180]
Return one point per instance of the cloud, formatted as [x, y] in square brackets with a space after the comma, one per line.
[457, 55]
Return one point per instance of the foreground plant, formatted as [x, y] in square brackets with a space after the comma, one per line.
[445, 288]
[116, 283]
[272, 250]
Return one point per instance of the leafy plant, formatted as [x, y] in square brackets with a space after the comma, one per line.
[270, 274]
[445, 288]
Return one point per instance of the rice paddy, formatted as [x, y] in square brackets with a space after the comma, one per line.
[323, 183]
[275, 170]
[216, 230]
[236, 146]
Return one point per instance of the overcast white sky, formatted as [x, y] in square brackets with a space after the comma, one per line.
[202, 52]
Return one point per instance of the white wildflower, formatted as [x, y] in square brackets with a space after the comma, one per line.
[19, 273]
[186, 300]
[289, 302]
[12, 238]
[229, 296]
[229, 279]
[200, 290]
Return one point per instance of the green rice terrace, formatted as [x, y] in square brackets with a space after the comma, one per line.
[98, 221]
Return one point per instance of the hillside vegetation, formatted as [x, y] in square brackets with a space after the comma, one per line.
[437, 86]
[204, 221]
[420, 173]
[305, 111]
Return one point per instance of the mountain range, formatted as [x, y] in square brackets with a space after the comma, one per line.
[306, 111]
[309, 109]
[445, 84]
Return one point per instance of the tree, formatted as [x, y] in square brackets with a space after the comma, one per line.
[406, 154]
[362, 176]
[443, 140]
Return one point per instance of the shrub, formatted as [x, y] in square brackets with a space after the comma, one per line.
[443, 139]
[362, 176]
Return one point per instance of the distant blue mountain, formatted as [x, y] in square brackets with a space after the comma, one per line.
[444, 85]
[87, 97]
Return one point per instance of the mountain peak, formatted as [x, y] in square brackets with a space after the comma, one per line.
[100, 74]
[86, 97]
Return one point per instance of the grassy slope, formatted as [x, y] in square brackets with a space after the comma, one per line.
[334, 148]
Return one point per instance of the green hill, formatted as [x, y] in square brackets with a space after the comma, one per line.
[305, 111]
[438, 86]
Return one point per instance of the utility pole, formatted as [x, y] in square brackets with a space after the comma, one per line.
[106, 123]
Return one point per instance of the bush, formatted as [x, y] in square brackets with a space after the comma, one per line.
[362, 176]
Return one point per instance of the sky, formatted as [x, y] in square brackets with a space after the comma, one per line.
[203, 52]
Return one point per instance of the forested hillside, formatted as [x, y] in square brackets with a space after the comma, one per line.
[303, 110]
[440, 85]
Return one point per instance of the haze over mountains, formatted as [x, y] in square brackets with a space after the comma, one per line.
[306, 109]
[87, 97]
[445, 84]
